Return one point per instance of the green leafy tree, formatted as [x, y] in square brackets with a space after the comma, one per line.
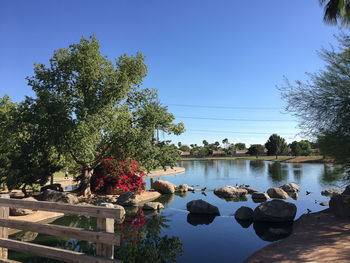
[276, 145]
[322, 104]
[7, 135]
[295, 148]
[256, 150]
[185, 148]
[305, 148]
[93, 108]
[32, 158]
[205, 143]
[240, 146]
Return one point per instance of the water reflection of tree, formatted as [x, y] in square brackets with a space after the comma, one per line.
[257, 166]
[149, 245]
[334, 176]
[277, 172]
[59, 242]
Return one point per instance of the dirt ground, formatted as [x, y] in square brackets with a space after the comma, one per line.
[317, 237]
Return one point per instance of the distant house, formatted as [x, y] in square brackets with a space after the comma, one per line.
[218, 152]
[185, 154]
[241, 151]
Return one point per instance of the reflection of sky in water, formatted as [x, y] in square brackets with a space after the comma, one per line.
[205, 239]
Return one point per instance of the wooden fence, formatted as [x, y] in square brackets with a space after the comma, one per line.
[104, 236]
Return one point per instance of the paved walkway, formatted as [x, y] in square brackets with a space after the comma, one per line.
[318, 237]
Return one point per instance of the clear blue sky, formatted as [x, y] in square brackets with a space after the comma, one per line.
[199, 52]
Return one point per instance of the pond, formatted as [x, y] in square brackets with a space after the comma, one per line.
[175, 236]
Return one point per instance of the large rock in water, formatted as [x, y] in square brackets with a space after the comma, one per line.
[230, 192]
[181, 188]
[331, 192]
[201, 207]
[340, 203]
[276, 192]
[259, 197]
[55, 196]
[127, 199]
[21, 211]
[164, 187]
[275, 211]
[244, 213]
[152, 206]
[291, 188]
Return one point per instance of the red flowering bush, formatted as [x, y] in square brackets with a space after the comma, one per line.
[124, 175]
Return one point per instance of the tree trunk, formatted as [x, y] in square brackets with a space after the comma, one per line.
[84, 188]
[24, 190]
[276, 156]
[51, 181]
[257, 156]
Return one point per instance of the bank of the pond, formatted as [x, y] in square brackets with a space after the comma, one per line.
[316, 237]
[167, 172]
[283, 159]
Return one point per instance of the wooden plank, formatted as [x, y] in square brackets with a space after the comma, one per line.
[103, 249]
[53, 253]
[4, 214]
[64, 231]
[94, 211]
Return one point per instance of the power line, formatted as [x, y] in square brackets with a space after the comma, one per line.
[241, 132]
[228, 119]
[224, 107]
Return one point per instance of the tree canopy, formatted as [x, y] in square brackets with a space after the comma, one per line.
[256, 150]
[322, 104]
[336, 10]
[93, 108]
[276, 145]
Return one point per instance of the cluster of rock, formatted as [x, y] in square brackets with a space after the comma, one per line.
[330, 192]
[282, 192]
[272, 211]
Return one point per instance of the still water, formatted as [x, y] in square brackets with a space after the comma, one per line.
[176, 236]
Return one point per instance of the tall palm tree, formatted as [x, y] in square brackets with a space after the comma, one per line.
[336, 9]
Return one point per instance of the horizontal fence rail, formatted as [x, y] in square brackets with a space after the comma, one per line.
[104, 236]
[94, 211]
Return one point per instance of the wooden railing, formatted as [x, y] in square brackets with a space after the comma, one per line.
[104, 236]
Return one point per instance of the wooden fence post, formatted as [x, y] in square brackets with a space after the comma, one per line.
[107, 225]
[4, 214]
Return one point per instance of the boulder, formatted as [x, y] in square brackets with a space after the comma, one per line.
[244, 213]
[230, 192]
[331, 192]
[21, 211]
[164, 187]
[56, 196]
[275, 211]
[201, 207]
[295, 196]
[182, 188]
[190, 189]
[324, 204]
[259, 197]
[55, 187]
[340, 203]
[152, 206]
[290, 188]
[276, 192]
[127, 199]
[250, 190]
